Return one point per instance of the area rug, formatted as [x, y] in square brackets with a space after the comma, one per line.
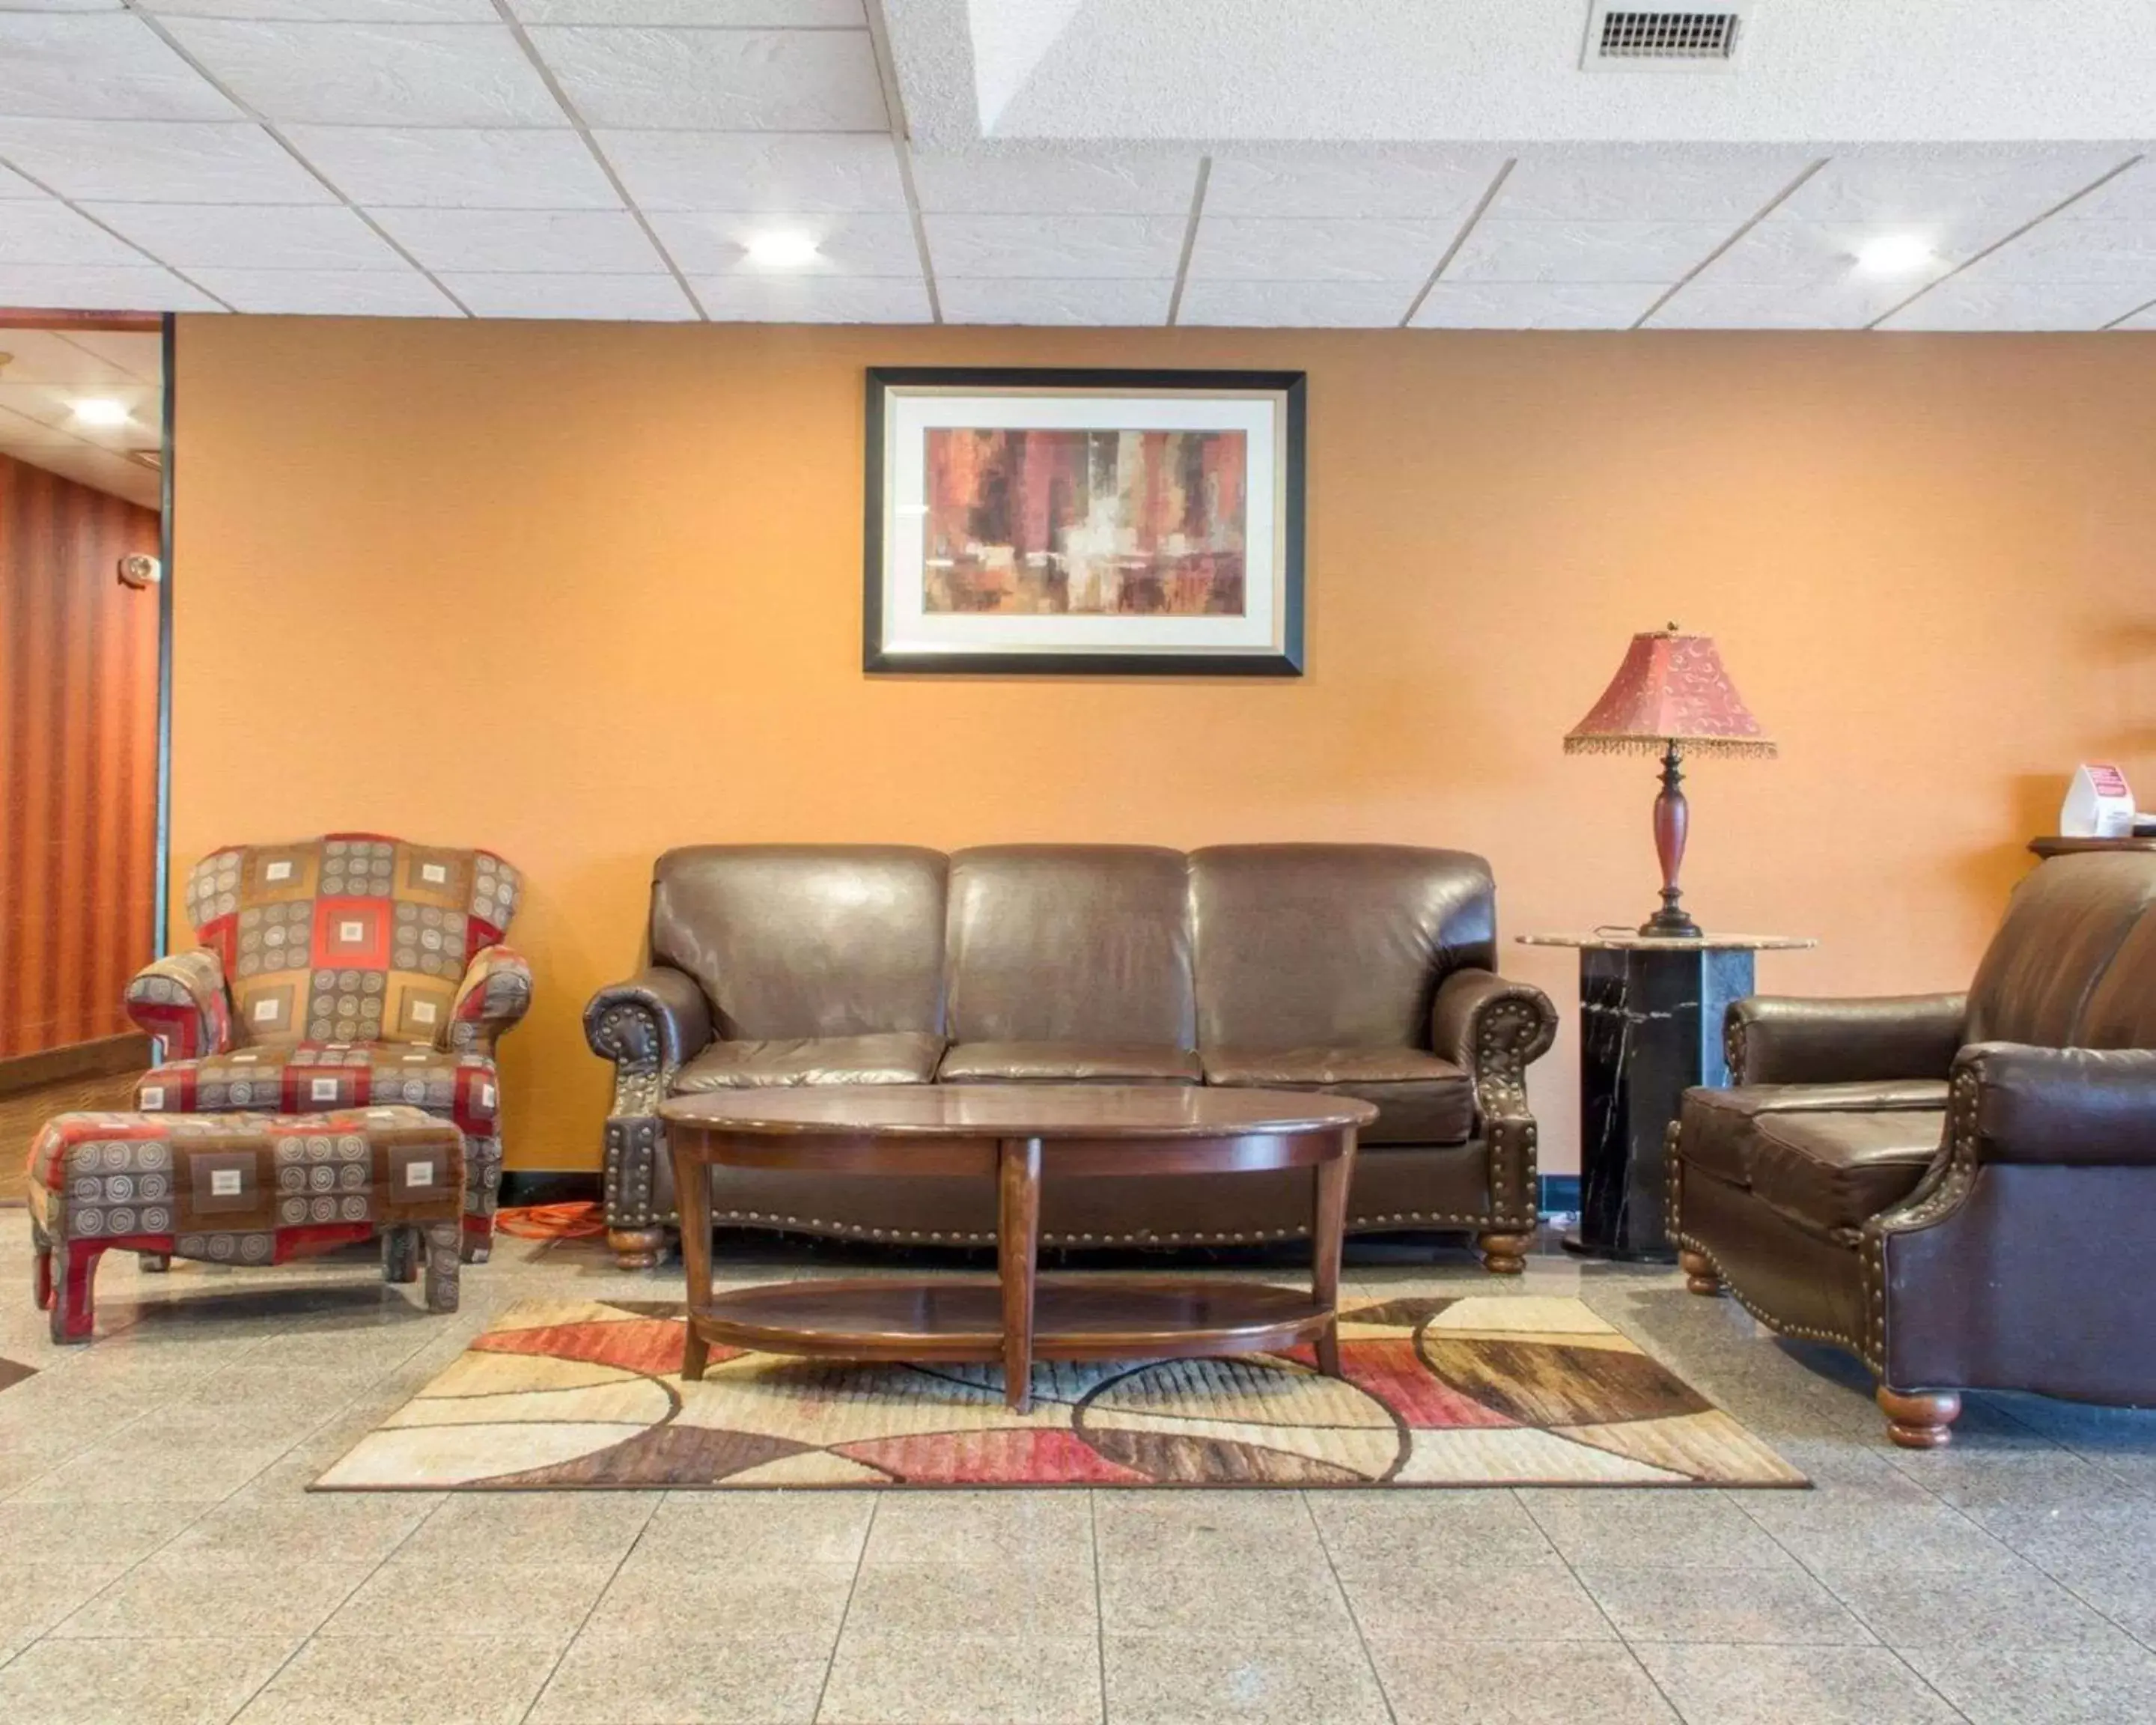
[1478, 1390]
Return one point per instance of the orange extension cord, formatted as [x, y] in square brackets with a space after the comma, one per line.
[551, 1221]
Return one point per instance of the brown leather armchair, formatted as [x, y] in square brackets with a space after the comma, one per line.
[1360, 969]
[1960, 1189]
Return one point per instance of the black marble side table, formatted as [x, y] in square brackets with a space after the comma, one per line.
[1650, 1012]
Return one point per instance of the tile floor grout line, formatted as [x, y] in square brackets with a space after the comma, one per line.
[569, 1641]
[1631, 1652]
[838, 1636]
[1354, 1617]
[1099, 1604]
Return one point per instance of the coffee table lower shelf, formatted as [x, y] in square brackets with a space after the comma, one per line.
[952, 1319]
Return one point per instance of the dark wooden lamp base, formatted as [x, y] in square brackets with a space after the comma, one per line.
[1672, 819]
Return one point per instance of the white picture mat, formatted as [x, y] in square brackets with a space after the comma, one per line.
[910, 414]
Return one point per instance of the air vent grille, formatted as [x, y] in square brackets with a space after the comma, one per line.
[1668, 36]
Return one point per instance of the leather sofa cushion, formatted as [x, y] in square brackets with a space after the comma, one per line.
[1717, 1123]
[2065, 927]
[894, 1057]
[815, 940]
[1068, 1062]
[1834, 1172]
[1302, 946]
[1087, 943]
[1421, 1099]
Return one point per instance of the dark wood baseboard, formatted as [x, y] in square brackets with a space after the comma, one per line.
[106, 1056]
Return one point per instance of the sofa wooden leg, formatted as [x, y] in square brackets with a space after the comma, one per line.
[1700, 1276]
[1504, 1253]
[1922, 1419]
[637, 1248]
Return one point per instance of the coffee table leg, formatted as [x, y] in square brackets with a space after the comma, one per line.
[1018, 1240]
[692, 1197]
[1327, 1222]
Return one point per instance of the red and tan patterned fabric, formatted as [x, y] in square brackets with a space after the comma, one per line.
[244, 1190]
[358, 968]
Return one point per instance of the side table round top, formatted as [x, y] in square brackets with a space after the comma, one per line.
[1619, 940]
[1017, 1111]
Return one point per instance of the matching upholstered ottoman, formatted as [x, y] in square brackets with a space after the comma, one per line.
[242, 1188]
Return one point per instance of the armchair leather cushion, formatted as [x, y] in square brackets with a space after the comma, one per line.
[890, 1057]
[1717, 1123]
[1068, 1062]
[1834, 1172]
[1421, 1099]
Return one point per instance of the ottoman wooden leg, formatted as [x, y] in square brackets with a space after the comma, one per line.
[444, 1243]
[400, 1255]
[74, 1271]
[41, 1268]
[154, 1263]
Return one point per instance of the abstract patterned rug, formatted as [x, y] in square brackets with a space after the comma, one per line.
[1478, 1390]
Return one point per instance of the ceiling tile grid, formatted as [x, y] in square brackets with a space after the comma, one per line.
[625, 158]
[44, 372]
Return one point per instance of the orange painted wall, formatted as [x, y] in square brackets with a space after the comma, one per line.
[579, 592]
[77, 759]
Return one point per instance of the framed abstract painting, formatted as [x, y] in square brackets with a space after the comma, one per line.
[1102, 522]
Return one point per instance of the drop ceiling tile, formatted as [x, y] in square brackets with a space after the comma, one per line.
[705, 244]
[812, 298]
[1054, 248]
[1987, 191]
[1784, 249]
[2144, 319]
[1502, 250]
[2079, 252]
[84, 287]
[98, 66]
[1535, 305]
[53, 233]
[102, 471]
[1591, 185]
[711, 14]
[66, 5]
[1105, 304]
[1311, 249]
[52, 405]
[136, 354]
[160, 162]
[2129, 198]
[783, 172]
[524, 242]
[1964, 305]
[329, 293]
[333, 11]
[246, 236]
[1136, 182]
[373, 74]
[719, 80]
[1415, 184]
[641, 298]
[18, 432]
[14, 186]
[47, 357]
[450, 168]
[1709, 303]
[1297, 304]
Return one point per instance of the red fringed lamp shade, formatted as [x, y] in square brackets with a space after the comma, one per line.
[1671, 689]
[1671, 694]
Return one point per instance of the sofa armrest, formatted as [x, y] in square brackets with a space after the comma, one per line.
[2063, 1107]
[658, 1018]
[492, 998]
[181, 1000]
[1481, 1022]
[1782, 1039]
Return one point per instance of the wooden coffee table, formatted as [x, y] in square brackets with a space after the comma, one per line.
[1015, 1134]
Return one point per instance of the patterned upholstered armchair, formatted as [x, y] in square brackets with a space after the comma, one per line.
[337, 972]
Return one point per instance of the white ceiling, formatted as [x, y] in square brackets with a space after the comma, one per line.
[47, 371]
[1367, 162]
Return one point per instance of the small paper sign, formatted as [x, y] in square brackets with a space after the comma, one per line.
[2098, 805]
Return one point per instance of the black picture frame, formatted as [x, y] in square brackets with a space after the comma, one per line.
[1284, 659]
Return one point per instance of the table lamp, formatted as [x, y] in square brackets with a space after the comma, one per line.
[1670, 694]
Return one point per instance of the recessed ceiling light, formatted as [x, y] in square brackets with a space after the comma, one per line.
[1894, 254]
[100, 410]
[782, 251]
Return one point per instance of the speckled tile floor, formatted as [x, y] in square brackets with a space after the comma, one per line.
[159, 1560]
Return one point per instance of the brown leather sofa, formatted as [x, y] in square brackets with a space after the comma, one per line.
[1959, 1189]
[1366, 969]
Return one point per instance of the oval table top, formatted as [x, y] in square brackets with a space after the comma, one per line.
[1017, 1111]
